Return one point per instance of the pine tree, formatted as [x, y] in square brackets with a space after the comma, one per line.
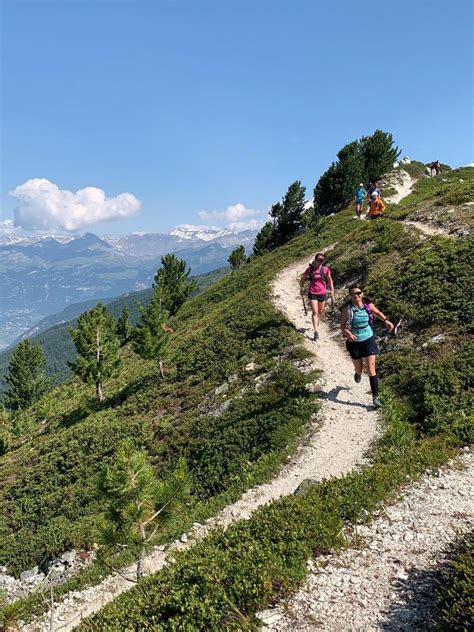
[97, 347]
[265, 240]
[151, 334]
[237, 258]
[379, 154]
[124, 327]
[26, 377]
[337, 185]
[290, 212]
[138, 504]
[363, 160]
[173, 281]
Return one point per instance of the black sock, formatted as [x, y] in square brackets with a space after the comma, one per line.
[374, 385]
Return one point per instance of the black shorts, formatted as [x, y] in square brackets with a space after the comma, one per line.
[317, 297]
[359, 350]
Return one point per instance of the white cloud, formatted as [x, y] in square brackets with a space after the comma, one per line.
[234, 215]
[253, 224]
[43, 205]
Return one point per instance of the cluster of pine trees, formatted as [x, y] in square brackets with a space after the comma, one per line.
[98, 339]
[364, 160]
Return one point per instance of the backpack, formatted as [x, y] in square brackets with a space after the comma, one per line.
[350, 312]
[312, 272]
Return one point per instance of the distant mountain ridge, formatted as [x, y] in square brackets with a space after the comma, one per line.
[52, 333]
[42, 275]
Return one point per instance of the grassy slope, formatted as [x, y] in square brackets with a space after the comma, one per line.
[235, 321]
[56, 341]
[47, 493]
[221, 582]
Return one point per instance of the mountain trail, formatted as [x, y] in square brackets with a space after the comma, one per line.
[428, 229]
[387, 584]
[336, 443]
[404, 187]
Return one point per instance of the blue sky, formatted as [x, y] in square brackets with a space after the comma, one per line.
[199, 106]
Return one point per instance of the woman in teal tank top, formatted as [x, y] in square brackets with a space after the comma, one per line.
[356, 319]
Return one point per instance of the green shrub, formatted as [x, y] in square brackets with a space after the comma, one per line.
[455, 594]
[257, 562]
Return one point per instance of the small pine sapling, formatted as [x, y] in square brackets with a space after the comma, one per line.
[138, 505]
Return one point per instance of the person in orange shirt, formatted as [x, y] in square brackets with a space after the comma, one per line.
[376, 207]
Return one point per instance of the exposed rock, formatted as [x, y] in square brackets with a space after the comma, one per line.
[251, 366]
[434, 340]
[69, 556]
[269, 616]
[184, 538]
[29, 575]
[304, 487]
[223, 388]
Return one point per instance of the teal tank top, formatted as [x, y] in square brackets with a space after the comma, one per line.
[360, 324]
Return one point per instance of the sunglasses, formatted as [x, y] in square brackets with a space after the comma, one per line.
[356, 293]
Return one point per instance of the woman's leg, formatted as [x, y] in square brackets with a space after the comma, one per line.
[373, 379]
[358, 366]
[314, 313]
[321, 308]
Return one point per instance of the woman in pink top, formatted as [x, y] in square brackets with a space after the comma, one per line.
[319, 277]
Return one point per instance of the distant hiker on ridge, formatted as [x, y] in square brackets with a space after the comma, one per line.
[435, 168]
[374, 188]
[356, 319]
[359, 199]
[376, 207]
[319, 276]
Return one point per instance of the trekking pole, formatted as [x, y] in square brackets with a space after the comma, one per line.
[304, 306]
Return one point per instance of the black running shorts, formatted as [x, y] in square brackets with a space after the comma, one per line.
[317, 297]
[364, 349]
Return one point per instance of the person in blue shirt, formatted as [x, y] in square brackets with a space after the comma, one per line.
[374, 188]
[359, 198]
[356, 319]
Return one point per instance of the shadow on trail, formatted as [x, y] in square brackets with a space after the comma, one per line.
[333, 396]
[416, 605]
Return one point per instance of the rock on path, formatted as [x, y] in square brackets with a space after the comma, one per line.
[332, 448]
[388, 584]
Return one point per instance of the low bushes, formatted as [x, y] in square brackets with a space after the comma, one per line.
[257, 562]
[455, 594]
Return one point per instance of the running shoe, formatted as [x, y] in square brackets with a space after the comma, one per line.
[357, 377]
[376, 401]
[316, 336]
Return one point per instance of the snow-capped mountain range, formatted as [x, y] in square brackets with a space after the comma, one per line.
[41, 274]
[10, 235]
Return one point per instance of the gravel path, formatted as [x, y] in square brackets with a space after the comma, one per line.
[388, 584]
[404, 188]
[428, 229]
[332, 448]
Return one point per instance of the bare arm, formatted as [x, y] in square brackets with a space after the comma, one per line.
[303, 279]
[376, 312]
[344, 328]
[331, 284]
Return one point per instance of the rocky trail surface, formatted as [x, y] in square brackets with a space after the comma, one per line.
[403, 187]
[337, 441]
[388, 583]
